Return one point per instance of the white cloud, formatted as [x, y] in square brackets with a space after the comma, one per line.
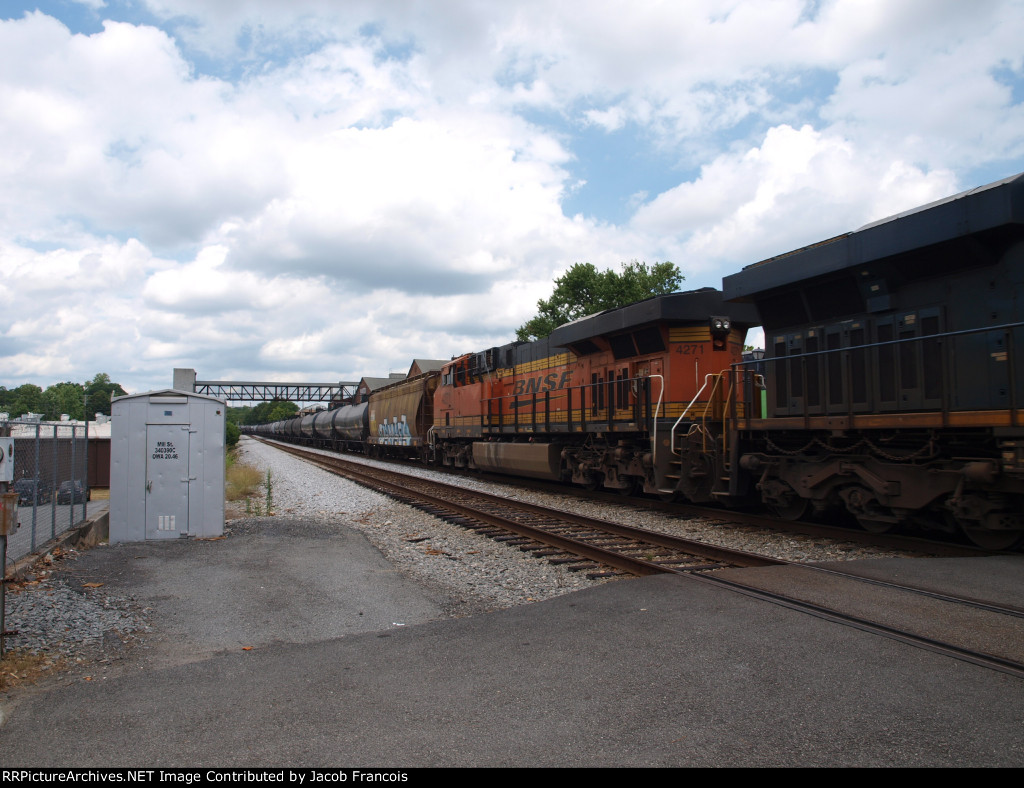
[798, 186]
[308, 190]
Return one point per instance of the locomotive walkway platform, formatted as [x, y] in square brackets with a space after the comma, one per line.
[351, 665]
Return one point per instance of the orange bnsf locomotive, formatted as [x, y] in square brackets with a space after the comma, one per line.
[629, 399]
[607, 400]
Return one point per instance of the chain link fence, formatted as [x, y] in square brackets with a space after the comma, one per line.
[51, 480]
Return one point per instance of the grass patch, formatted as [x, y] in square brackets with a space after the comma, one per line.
[242, 481]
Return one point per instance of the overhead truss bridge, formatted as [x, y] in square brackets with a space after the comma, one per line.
[247, 391]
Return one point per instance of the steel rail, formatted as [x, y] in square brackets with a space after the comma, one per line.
[979, 658]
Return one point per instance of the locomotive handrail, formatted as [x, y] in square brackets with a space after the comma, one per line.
[710, 402]
[873, 345]
[654, 421]
[686, 410]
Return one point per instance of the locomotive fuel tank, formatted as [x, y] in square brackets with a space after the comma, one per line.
[536, 460]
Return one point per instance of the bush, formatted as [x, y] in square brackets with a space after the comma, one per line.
[242, 481]
[232, 434]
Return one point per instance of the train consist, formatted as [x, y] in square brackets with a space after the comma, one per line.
[889, 388]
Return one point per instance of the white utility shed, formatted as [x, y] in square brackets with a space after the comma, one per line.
[166, 466]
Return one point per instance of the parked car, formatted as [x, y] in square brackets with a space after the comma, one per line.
[32, 491]
[64, 494]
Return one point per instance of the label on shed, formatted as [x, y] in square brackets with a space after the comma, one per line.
[164, 450]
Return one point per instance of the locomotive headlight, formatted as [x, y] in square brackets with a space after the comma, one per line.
[719, 332]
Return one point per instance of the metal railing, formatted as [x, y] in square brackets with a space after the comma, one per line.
[610, 405]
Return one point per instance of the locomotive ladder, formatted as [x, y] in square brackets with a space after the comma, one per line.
[718, 395]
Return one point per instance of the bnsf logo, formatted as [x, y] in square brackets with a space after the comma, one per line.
[542, 383]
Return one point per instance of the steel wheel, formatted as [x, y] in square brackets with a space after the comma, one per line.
[794, 508]
[988, 539]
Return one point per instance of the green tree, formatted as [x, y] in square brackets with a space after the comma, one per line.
[238, 414]
[63, 398]
[282, 411]
[273, 410]
[583, 290]
[231, 434]
[100, 389]
[26, 398]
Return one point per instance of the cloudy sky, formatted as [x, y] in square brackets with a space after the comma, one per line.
[317, 190]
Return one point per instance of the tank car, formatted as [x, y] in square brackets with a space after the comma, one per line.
[893, 362]
[604, 401]
[351, 427]
[323, 428]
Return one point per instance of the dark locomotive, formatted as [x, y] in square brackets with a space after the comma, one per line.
[889, 387]
[893, 366]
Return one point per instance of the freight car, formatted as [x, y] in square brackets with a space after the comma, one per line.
[339, 429]
[400, 417]
[893, 361]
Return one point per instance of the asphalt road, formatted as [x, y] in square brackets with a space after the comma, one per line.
[351, 665]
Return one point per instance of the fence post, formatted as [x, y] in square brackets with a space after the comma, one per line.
[85, 467]
[53, 501]
[5, 431]
[39, 485]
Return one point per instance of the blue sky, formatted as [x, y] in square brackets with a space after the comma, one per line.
[317, 190]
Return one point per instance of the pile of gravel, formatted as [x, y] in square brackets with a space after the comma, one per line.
[51, 615]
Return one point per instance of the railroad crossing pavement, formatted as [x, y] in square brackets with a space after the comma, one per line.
[663, 671]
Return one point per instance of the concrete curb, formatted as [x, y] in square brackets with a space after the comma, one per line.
[82, 537]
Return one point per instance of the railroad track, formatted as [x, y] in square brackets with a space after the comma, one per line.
[596, 546]
[975, 631]
[854, 534]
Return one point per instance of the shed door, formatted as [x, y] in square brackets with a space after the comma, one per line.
[167, 452]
